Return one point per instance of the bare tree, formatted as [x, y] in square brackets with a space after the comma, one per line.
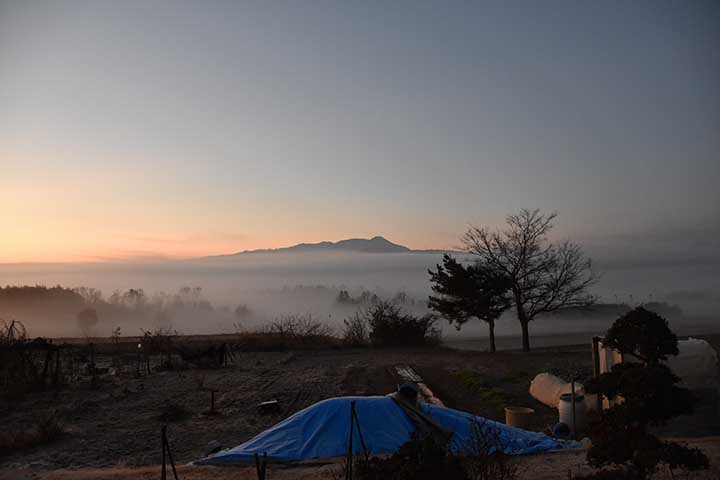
[87, 320]
[544, 276]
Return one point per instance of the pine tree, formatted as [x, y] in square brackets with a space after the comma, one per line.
[465, 292]
[650, 396]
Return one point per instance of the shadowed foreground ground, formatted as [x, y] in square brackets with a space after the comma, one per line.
[112, 430]
[548, 466]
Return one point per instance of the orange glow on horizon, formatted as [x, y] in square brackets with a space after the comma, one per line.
[109, 213]
[28, 249]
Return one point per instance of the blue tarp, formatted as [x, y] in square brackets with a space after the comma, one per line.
[321, 431]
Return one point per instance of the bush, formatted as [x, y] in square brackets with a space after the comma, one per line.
[46, 428]
[389, 326]
[172, 412]
[299, 327]
[487, 456]
[356, 332]
[643, 334]
[22, 361]
[160, 342]
[264, 341]
[420, 458]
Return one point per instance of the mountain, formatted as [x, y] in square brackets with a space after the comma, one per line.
[372, 245]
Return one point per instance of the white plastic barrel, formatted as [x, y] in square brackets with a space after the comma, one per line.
[565, 410]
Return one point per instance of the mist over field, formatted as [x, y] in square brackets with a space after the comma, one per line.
[278, 283]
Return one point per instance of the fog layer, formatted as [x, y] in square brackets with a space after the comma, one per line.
[274, 284]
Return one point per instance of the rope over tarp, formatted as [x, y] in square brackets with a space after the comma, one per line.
[322, 431]
[424, 424]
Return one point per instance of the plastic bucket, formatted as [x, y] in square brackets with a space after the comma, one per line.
[518, 416]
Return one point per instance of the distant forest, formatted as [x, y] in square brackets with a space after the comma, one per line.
[84, 311]
[80, 311]
[61, 311]
[614, 310]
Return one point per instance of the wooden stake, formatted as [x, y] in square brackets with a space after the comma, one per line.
[349, 463]
[166, 448]
[163, 469]
[56, 374]
[48, 354]
[362, 440]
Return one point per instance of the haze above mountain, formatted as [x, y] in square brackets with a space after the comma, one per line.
[375, 244]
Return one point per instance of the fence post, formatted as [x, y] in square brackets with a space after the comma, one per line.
[172, 462]
[58, 364]
[138, 361]
[163, 472]
[166, 447]
[362, 440]
[260, 467]
[48, 356]
[349, 463]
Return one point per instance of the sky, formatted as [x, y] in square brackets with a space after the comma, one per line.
[169, 129]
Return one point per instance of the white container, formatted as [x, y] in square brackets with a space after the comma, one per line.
[565, 410]
[546, 388]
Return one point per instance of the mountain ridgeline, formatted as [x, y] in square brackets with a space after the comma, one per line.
[376, 244]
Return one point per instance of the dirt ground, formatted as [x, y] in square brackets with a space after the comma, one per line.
[115, 426]
[547, 466]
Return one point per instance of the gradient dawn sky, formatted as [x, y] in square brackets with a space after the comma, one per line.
[143, 129]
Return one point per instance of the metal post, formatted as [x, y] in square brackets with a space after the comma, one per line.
[362, 440]
[166, 449]
[163, 472]
[172, 462]
[596, 369]
[260, 467]
[596, 356]
[574, 425]
[349, 464]
[138, 362]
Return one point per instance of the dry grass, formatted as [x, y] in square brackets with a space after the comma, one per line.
[172, 412]
[47, 428]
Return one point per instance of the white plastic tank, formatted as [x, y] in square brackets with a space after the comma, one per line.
[546, 388]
